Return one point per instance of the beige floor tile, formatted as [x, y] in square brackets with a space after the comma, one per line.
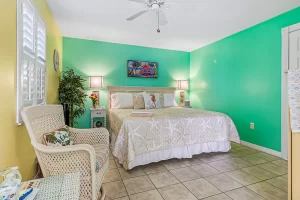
[218, 156]
[154, 168]
[223, 182]
[237, 163]
[201, 188]
[149, 195]
[137, 171]
[114, 189]
[185, 174]
[235, 145]
[276, 169]
[244, 148]
[192, 161]
[243, 194]
[222, 166]
[204, 170]
[173, 164]
[112, 175]
[138, 185]
[267, 157]
[232, 150]
[253, 159]
[243, 151]
[162, 179]
[118, 164]
[218, 197]
[122, 198]
[282, 163]
[110, 155]
[259, 172]
[176, 192]
[204, 157]
[268, 191]
[112, 164]
[242, 177]
[279, 182]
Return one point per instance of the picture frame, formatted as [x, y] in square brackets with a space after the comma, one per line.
[142, 69]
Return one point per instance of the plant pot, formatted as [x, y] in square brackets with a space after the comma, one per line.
[66, 113]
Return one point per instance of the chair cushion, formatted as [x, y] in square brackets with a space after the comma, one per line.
[102, 153]
[58, 137]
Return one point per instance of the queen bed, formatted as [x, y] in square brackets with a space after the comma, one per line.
[172, 132]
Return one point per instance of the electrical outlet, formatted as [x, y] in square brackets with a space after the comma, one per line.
[251, 125]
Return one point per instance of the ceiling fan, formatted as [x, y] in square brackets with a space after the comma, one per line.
[157, 6]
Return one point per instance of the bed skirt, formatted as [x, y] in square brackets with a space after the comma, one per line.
[176, 152]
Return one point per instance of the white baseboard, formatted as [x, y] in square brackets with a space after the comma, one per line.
[260, 148]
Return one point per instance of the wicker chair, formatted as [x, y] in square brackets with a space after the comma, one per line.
[90, 145]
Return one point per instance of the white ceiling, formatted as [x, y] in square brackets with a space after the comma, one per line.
[190, 26]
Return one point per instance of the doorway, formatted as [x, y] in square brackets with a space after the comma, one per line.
[290, 60]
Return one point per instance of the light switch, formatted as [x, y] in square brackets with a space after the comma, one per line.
[251, 125]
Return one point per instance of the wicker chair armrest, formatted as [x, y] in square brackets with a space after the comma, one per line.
[90, 136]
[69, 159]
[69, 154]
[64, 149]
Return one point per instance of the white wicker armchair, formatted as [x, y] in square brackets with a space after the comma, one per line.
[90, 145]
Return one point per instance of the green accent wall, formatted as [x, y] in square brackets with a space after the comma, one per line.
[241, 76]
[94, 58]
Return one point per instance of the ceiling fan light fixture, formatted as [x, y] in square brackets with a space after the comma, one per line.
[155, 6]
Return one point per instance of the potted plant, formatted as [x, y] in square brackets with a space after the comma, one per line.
[71, 95]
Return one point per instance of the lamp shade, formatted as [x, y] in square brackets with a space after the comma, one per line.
[95, 81]
[182, 85]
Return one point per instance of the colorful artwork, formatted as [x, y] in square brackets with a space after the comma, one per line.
[142, 69]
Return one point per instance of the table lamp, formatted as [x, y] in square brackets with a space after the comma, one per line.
[182, 85]
[96, 82]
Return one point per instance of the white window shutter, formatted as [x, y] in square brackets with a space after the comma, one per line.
[41, 39]
[40, 61]
[28, 27]
[31, 61]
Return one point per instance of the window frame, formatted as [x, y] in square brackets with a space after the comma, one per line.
[19, 62]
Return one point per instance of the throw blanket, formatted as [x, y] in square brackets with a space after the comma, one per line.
[294, 99]
[168, 128]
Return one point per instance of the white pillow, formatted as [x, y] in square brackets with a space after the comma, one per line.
[152, 100]
[121, 100]
[170, 100]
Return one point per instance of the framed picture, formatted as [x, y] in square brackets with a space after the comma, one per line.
[142, 69]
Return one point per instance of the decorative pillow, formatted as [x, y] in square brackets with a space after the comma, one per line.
[162, 101]
[59, 137]
[138, 101]
[152, 101]
[170, 100]
[122, 100]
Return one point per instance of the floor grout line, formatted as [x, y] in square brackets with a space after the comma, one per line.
[204, 177]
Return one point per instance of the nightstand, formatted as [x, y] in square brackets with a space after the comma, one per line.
[98, 117]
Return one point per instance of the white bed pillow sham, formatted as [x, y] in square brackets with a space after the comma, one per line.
[152, 100]
[170, 100]
[122, 100]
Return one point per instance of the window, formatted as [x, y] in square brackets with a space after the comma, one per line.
[31, 57]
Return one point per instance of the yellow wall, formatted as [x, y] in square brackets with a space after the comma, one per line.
[15, 147]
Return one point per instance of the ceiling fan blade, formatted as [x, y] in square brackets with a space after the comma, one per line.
[162, 18]
[136, 15]
[140, 1]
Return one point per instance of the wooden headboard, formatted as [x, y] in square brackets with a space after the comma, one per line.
[137, 89]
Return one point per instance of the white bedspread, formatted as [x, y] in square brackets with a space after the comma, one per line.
[168, 128]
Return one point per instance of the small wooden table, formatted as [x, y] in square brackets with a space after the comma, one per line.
[61, 187]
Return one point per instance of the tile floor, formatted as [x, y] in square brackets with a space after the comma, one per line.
[241, 174]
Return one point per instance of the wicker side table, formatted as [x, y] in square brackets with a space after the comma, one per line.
[61, 187]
